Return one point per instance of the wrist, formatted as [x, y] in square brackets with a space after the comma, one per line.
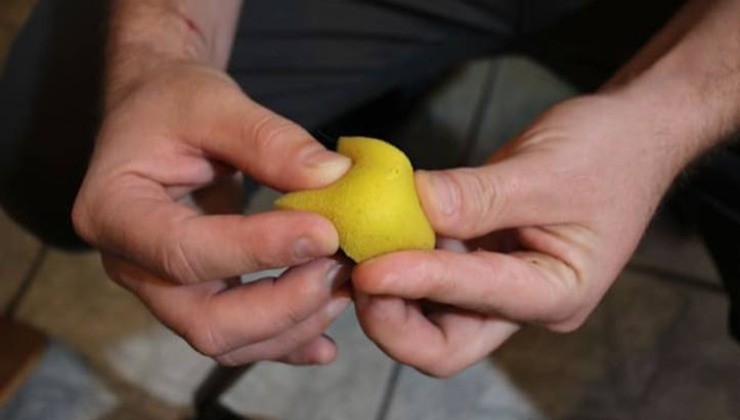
[149, 36]
[690, 109]
[687, 79]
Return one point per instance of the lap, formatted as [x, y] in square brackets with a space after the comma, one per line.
[311, 60]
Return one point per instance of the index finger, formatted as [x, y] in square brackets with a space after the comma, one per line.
[139, 221]
[216, 318]
[528, 287]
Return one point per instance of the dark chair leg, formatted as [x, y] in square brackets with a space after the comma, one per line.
[218, 381]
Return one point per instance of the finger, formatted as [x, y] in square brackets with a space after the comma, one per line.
[293, 344]
[175, 242]
[320, 351]
[216, 318]
[469, 202]
[526, 287]
[272, 149]
[441, 347]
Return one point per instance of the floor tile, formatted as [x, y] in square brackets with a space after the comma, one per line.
[477, 109]
[73, 299]
[18, 249]
[60, 387]
[481, 392]
[437, 131]
[641, 312]
[350, 388]
[695, 365]
[521, 91]
[670, 351]
[653, 349]
[562, 374]
[160, 363]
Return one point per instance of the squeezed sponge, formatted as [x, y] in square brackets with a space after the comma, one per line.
[374, 206]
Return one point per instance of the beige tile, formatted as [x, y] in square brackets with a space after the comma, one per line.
[349, 388]
[669, 351]
[434, 134]
[522, 90]
[157, 361]
[72, 298]
[695, 364]
[479, 393]
[136, 405]
[641, 311]
[646, 349]
[18, 250]
[562, 374]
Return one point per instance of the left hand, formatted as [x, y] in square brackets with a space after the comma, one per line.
[535, 237]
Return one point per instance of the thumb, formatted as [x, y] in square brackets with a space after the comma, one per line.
[466, 203]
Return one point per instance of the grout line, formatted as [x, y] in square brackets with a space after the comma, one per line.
[12, 308]
[390, 390]
[668, 276]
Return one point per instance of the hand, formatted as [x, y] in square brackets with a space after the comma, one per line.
[176, 137]
[534, 237]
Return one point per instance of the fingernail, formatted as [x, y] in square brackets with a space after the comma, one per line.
[338, 274]
[331, 165]
[445, 194]
[337, 305]
[306, 248]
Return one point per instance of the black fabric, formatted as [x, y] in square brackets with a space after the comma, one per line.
[314, 60]
[49, 114]
[712, 197]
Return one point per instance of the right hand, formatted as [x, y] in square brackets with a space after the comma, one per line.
[178, 133]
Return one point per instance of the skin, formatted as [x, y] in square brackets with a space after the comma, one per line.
[539, 234]
[536, 236]
[156, 200]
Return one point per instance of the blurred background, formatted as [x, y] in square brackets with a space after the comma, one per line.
[656, 348]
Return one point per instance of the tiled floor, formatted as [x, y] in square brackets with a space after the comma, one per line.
[656, 348]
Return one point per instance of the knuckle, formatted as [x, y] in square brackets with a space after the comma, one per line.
[176, 261]
[267, 132]
[482, 200]
[440, 367]
[293, 315]
[204, 339]
[567, 325]
[311, 290]
[563, 293]
[567, 305]
[124, 277]
[429, 360]
[226, 360]
[83, 221]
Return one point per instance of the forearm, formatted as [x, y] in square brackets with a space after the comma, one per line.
[687, 79]
[145, 35]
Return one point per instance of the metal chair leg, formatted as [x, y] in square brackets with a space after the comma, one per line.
[218, 381]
